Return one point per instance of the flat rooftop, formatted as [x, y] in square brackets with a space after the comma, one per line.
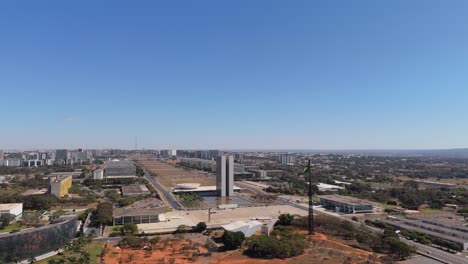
[403, 225]
[210, 188]
[59, 178]
[442, 219]
[150, 206]
[346, 199]
[119, 164]
[134, 189]
[9, 206]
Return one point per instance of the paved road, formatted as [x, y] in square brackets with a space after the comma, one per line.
[435, 253]
[251, 187]
[43, 256]
[445, 257]
[108, 239]
[165, 193]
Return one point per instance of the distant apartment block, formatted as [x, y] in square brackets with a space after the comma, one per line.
[287, 159]
[10, 162]
[168, 153]
[61, 155]
[59, 185]
[1, 154]
[225, 175]
[209, 165]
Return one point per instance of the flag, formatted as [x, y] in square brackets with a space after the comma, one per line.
[306, 169]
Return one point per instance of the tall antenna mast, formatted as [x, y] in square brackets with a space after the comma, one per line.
[136, 143]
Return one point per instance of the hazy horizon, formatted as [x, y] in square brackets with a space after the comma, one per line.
[361, 75]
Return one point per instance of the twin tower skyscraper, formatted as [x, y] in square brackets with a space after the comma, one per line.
[225, 175]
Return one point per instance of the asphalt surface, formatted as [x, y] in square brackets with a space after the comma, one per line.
[253, 188]
[427, 251]
[438, 254]
[165, 193]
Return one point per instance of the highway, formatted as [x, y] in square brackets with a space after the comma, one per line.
[167, 196]
[437, 254]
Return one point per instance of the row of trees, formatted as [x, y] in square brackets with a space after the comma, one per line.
[388, 242]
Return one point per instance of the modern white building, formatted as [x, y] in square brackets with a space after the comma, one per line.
[98, 174]
[225, 175]
[15, 209]
[247, 228]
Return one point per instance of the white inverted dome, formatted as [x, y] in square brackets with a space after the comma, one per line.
[188, 185]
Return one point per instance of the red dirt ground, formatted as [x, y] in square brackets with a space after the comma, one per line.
[322, 250]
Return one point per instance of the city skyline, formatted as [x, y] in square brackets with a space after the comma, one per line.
[211, 75]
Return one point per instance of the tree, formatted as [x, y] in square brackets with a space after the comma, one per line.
[5, 219]
[183, 229]
[400, 250]
[282, 243]
[285, 219]
[104, 213]
[113, 195]
[154, 240]
[200, 227]
[232, 240]
[129, 228]
[85, 258]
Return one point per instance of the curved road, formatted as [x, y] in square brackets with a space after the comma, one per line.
[167, 196]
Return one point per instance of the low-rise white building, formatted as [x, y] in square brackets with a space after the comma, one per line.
[15, 209]
[247, 228]
[98, 174]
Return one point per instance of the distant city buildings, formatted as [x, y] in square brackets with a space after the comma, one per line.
[1, 154]
[168, 153]
[287, 159]
[59, 185]
[210, 165]
[10, 162]
[61, 156]
[225, 175]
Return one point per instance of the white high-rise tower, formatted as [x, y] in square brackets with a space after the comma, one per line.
[225, 175]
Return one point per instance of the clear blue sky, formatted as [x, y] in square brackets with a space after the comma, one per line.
[234, 74]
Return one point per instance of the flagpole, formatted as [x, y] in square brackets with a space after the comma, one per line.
[310, 222]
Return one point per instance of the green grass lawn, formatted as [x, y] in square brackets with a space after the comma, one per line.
[430, 210]
[94, 249]
[12, 226]
[11, 191]
[388, 206]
